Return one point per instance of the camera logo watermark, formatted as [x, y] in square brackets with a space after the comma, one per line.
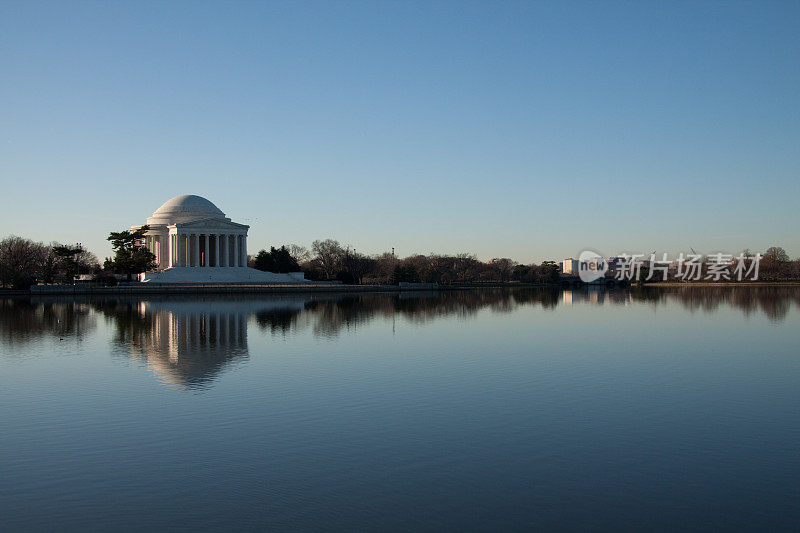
[591, 266]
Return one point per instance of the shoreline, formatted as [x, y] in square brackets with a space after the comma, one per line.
[669, 284]
[201, 288]
[207, 288]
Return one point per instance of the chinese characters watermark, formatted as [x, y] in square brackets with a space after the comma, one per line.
[686, 267]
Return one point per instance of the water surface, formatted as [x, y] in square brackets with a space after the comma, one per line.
[462, 410]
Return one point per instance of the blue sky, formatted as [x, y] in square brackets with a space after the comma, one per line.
[530, 130]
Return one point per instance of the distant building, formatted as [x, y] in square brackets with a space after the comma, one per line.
[570, 266]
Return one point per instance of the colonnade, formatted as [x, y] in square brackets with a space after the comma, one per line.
[199, 250]
[189, 348]
[223, 331]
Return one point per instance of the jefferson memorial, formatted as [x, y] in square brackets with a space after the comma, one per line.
[194, 242]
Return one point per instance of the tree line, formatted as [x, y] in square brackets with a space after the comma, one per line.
[776, 265]
[24, 262]
[328, 260]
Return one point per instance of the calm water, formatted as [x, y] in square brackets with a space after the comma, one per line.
[492, 409]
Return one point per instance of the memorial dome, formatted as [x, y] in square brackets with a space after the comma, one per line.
[185, 208]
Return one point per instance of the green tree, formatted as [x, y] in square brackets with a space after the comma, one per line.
[405, 274]
[284, 261]
[67, 260]
[131, 256]
[548, 272]
[264, 261]
[276, 260]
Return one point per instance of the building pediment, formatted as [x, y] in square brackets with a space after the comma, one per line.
[210, 223]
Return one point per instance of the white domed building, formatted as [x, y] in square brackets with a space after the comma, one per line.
[194, 242]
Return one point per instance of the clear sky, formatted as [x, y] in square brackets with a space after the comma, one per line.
[529, 130]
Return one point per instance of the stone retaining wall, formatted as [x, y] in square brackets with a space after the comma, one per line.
[201, 288]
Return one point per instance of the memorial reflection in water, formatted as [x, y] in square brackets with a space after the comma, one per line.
[189, 341]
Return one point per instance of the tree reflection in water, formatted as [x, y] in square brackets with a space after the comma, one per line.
[773, 302]
[23, 320]
[189, 341]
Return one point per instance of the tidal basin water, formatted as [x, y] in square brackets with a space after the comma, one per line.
[672, 409]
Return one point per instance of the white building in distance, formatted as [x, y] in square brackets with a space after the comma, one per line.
[570, 266]
[194, 242]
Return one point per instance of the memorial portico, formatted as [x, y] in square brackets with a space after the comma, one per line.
[193, 241]
[199, 247]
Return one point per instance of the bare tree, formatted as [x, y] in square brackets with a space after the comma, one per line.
[21, 261]
[300, 253]
[776, 254]
[358, 265]
[466, 267]
[776, 264]
[384, 266]
[329, 254]
[441, 268]
[421, 264]
[502, 268]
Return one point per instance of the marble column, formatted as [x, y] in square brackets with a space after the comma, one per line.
[182, 249]
[237, 252]
[196, 250]
[207, 255]
[154, 242]
[244, 250]
[169, 250]
[216, 250]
